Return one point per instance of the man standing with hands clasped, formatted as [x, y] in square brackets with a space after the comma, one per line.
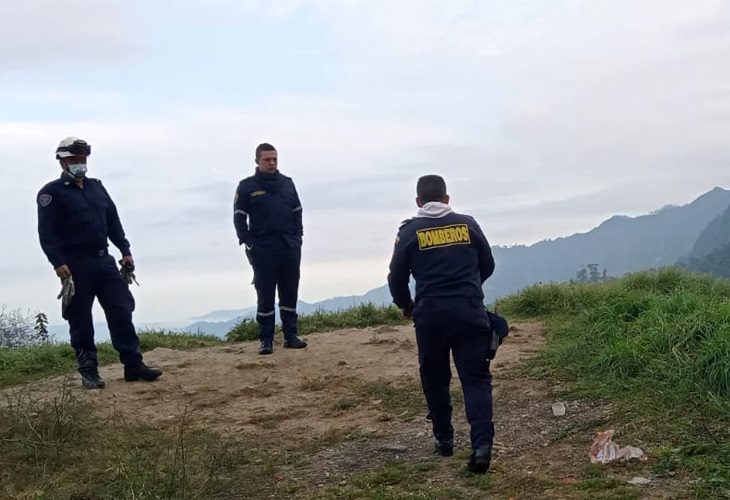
[76, 218]
[267, 215]
[450, 259]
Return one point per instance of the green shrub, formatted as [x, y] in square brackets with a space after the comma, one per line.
[247, 329]
[361, 316]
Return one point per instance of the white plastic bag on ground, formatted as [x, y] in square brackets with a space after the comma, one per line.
[604, 450]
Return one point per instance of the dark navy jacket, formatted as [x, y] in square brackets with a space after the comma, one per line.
[267, 210]
[448, 256]
[74, 221]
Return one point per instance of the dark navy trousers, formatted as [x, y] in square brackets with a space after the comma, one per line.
[276, 267]
[460, 326]
[97, 276]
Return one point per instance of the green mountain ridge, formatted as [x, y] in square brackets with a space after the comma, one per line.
[620, 244]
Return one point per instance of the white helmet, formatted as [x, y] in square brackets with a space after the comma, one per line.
[72, 146]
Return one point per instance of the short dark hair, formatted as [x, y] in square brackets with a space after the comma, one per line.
[264, 146]
[431, 188]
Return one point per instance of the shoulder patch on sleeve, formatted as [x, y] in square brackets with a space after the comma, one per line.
[45, 199]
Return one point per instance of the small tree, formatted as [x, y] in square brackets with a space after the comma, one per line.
[41, 327]
[581, 276]
[593, 275]
[590, 274]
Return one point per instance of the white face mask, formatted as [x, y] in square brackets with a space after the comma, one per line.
[77, 170]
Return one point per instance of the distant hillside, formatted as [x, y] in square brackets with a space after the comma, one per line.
[711, 252]
[715, 236]
[621, 245]
[716, 263]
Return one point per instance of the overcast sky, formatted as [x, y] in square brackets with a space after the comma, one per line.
[545, 118]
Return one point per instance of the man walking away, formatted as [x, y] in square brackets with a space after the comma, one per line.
[450, 259]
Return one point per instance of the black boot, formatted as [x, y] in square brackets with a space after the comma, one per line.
[480, 460]
[444, 448]
[266, 347]
[88, 368]
[90, 379]
[294, 342]
[141, 372]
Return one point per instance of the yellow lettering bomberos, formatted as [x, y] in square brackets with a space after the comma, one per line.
[435, 237]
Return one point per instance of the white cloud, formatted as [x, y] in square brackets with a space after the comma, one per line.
[50, 33]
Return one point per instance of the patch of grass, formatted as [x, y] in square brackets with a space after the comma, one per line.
[330, 437]
[272, 420]
[594, 471]
[656, 344]
[363, 435]
[315, 384]
[400, 398]
[344, 404]
[577, 427]
[520, 484]
[361, 316]
[152, 339]
[388, 475]
[711, 462]
[57, 447]
[483, 482]
[598, 484]
[23, 364]
[395, 481]
[618, 493]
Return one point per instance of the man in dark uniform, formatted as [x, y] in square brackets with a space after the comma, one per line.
[76, 217]
[267, 215]
[449, 258]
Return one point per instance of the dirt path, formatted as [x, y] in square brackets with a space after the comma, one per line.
[351, 403]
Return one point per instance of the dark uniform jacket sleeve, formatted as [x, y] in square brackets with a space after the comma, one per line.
[484, 252]
[47, 228]
[240, 216]
[400, 270]
[297, 210]
[114, 226]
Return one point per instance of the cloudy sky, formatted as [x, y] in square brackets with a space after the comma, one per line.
[544, 117]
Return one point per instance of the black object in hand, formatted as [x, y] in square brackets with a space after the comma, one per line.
[127, 272]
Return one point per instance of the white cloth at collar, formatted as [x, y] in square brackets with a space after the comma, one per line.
[434, 210]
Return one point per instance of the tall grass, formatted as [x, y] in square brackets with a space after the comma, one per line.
[361, 316]
[60, 447]
[667, 331]
[658, 343]
[23, 364]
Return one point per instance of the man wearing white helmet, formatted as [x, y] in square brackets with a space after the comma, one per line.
[76, 218]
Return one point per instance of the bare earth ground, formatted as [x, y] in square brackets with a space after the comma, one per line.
[351, 403]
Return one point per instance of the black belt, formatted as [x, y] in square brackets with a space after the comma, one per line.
[87, 252]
